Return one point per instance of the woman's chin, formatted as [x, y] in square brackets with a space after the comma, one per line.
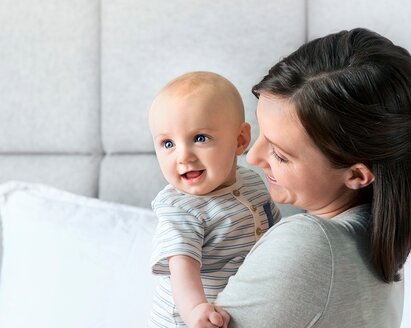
[279, 197]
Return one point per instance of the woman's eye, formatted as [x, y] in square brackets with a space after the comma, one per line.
[168, 144]
[278, 157]
[200, 138]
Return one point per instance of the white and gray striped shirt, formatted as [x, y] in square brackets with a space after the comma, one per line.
[217, 229]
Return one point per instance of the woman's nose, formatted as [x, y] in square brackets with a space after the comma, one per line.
[254, 156]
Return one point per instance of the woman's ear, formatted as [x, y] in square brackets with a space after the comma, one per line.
[244, 138]
[359, 176]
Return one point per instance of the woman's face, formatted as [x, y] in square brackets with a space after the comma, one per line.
[297, 172]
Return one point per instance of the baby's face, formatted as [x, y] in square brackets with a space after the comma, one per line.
[196, 141]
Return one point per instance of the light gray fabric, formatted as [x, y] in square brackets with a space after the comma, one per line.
[312, 272]
[147, 43]
[390, 18]
[130, 179]
[74, 173]
[49, 77]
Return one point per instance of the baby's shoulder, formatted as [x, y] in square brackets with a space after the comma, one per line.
[168, 196]
[247, 174]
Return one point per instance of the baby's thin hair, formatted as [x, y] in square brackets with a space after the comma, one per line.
[196, 81]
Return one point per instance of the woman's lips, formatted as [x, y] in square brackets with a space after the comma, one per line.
[270, 179]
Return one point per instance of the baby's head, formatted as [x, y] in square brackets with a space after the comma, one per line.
[198, 128]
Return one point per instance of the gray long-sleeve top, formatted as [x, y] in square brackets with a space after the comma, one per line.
[312, 272]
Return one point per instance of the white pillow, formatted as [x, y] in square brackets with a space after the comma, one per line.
[406, 314]
[72, 261]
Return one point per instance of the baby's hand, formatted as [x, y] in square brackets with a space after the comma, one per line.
[224, 315]
[204, 315]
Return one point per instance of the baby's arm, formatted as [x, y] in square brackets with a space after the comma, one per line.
[188, 294]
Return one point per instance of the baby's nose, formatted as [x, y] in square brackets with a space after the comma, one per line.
[185, 155]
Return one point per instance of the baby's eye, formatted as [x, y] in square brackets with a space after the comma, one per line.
[167, 144]
[201, 138]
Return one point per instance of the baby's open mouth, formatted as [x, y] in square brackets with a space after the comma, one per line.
[192, 174]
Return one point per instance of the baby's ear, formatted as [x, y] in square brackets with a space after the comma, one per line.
[244, 138]
[359, 176]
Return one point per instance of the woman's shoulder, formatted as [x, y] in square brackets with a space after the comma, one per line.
[313, 240]
[354, 223]
[303, 229]
[298, 243]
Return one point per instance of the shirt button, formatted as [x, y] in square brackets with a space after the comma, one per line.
[258, 231]
[253, 208]
[236, 193]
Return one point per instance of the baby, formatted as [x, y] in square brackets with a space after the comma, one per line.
[212, 212]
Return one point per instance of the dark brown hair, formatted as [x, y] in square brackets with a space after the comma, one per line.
[352, 93]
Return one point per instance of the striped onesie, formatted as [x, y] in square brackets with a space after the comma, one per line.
[217, 229]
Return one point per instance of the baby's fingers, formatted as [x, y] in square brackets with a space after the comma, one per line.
[216, 319]
[224, 315]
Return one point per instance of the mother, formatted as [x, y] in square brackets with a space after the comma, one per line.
[335, 140]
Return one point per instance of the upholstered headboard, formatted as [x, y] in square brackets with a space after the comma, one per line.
[77, 77]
